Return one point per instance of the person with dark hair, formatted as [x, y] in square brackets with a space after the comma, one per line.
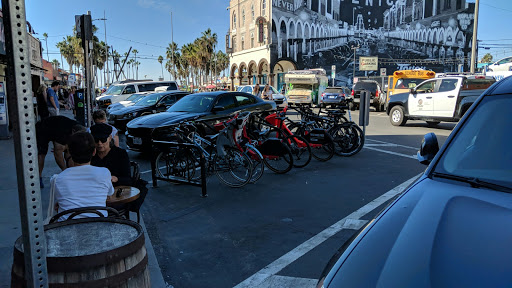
[82, 185]
[57, 129]
[53, 99]
[99, 116]
[42, 105]
[113, 158]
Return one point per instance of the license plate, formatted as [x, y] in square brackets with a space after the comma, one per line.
[332, 97]
[137, 141]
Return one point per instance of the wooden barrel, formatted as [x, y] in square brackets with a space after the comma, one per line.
[90, 252]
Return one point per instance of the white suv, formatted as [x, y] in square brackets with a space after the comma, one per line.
[120, 91]
[276, 96]
[504, 64]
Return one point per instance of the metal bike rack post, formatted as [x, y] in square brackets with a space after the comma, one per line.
[364, 110]
[19, 87]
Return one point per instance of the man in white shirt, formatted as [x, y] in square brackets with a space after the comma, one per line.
[82, 185]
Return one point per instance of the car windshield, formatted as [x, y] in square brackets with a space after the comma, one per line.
[334, 90]
[365, 86]
[149, 100]
[134, 97]
[301, 87]
[114, 90]
[192, 103]
[408, 83]
[480, 151]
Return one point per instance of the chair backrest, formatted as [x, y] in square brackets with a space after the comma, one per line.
[82, 210]
[135, 171]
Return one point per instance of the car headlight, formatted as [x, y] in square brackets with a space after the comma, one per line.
[134, 114]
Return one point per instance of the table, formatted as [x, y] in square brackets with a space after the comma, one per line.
[128, 194]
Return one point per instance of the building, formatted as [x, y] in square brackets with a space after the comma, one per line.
[267, 39]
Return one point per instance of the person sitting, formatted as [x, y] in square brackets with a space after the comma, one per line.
[113, 158]
[82, 185]
[98, 117]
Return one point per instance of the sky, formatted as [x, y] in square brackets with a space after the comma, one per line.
[145, 25]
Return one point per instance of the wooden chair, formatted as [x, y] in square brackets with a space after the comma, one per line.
[141, 185]
[82, 210]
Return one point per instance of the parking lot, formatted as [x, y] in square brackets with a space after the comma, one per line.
[281, 231]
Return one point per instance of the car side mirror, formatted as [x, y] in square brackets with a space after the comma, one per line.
[218, 109]
[429, 148]
[412, 91]
[161, 104]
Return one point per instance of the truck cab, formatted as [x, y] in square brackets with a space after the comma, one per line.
[303, 87]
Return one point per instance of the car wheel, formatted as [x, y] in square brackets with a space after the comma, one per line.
[397, 117]
[377, 107]
[351, 106]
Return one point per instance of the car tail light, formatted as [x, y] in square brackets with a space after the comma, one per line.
[323, 94]
[376, 93]
[352, 92]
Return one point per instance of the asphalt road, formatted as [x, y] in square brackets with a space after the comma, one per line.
[267, 234]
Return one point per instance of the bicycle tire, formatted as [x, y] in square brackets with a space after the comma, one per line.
[301, 150]
[282, 164]
[326, 151]
[225, 167]
[178, 164]
[258, 164]
[348, 139]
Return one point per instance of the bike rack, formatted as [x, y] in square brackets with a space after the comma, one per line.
[177, 179]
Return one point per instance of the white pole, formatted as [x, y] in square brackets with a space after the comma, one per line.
[172, 48]
[473, 46]
[106, 45]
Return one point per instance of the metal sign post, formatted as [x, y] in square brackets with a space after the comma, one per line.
[21, 109]
[364, 110]
[333, 74]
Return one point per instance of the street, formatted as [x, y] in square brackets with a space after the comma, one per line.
[234, 236]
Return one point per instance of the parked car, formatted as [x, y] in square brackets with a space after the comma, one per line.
[278, 97]
[128, 102]
[504, 64]
[208, 106]
[377, 97]
[150, 104]
[437, 99]
[120, 91]
[334, 95]
[451, 228]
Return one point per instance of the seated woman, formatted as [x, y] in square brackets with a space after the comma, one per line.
[111, 157]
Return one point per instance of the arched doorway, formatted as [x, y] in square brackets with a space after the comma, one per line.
[280, 68]
[233, 75]
[282, 49]
[252, 72]
[243, 74]
[263, 71]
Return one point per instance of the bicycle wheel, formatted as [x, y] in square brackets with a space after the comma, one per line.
[175, 164]
[348, 139]
[258, 165]
[300, 149]
[280, 164]
[323, 152]
[234, 169]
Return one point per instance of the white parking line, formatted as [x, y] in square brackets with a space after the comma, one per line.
[392, 153]
[394, 144]
[258, 279]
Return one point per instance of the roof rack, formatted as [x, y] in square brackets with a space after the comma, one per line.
[131, 81]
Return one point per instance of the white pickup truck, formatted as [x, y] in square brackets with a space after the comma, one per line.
[438, 99]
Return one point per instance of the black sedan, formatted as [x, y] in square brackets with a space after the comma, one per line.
[208, 106]
[150, 104]
[451, 228]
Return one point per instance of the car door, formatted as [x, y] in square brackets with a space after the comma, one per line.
[420, 102]
[166, 102]
[445, 99]
[228, 104]
[246, 103]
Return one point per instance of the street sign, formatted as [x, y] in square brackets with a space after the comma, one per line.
[383, 72]
[368, 63]
[333, 74]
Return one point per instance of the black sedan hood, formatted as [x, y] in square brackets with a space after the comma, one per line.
[438, 234]
[129, 109]
[162, 119]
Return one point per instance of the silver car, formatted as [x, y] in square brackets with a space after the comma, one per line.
[279, 98]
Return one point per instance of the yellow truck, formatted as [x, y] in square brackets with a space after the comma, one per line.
[403, 80]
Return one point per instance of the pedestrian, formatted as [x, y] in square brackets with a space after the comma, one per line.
[42, 105]
[115, 159]
[71, 100]
[100, 117]
[267, 92]
[82, 185]
[53, 99]
[256, 91]
[57, 129]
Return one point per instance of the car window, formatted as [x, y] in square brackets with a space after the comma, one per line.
[245, 100]
[172, 86]
[504, 61]
[448, 85]
[169, 100]
[427, 87]
[366, 86]
[226, 101]
[194, 103]
[115, 90]
[407, 83]
[274, 90]
[149, 100]
[130, 89]
[334, 90]
[477, 151]
[474, 84]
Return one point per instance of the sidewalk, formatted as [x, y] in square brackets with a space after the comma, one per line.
[10, 225]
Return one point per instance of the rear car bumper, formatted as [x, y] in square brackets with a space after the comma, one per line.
[138, 139]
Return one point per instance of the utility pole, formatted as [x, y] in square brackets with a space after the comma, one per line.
[106, 44]
[354, 67]
[172, 47]
[473, 46]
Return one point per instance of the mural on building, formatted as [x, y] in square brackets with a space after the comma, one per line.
[403, 34]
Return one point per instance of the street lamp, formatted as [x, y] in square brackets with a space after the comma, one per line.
[473, 46]
[354, 67]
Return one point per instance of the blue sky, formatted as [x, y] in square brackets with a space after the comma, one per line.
[148, 22]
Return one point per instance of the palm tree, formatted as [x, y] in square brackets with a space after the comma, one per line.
[208, 43]
[160, 60]
[135, 51]
[172, 54]
[45, 35]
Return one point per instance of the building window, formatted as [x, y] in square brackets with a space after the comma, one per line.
[243, 17]
[234, 21]
[233, 41]
[252, 40]
[263, 7]
[252, 11]
[260, 30]
[329, 6]
[243, 43]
